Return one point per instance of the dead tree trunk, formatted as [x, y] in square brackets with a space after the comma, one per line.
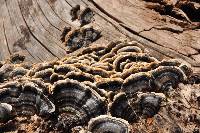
[33, 27]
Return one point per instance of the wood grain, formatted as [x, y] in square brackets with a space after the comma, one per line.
[33, 27]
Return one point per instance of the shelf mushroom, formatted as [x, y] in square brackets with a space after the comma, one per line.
[108, 124]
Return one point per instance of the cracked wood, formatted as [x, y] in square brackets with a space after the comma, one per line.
[33, 27]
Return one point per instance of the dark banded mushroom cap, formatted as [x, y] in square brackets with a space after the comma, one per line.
[167, 77]
[92, 70]
[109, 47]
[76, 103]
[132, 57]
[90, 49]
[5, 112]
[64, 69]
[121, 47]
[26, 99]
[130, 49]
[135, 67]
[80, 76]
[18, 72]
[44, 74]
[183, 65]
[137, 82]
[42, 66]
[110, 84]
[121, 108]
[108, 124]
[149, 104]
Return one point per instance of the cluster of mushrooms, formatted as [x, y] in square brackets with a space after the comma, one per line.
[80, 37]
[96, 89]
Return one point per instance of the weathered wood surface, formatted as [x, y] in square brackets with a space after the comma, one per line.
[34, 27]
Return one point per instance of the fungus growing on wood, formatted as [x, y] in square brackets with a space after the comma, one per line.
[86, 16]
[167, 77]
[64, 33]
[108, 124]
[26, 99]
[149, 104]
[5, 112]
[17, 58]
[110, 84]
[81, 37]
[137, 82]
[80, 76]
[121, 108]
[76, 103]
[74, 12]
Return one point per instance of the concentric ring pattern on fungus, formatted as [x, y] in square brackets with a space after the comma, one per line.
[117, 88]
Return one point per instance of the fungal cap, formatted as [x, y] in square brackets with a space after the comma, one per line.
[5, 112]
[108, 124]
[137, 82]
[7, 106]
[120, 107]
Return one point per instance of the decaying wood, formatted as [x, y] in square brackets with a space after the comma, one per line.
[33, 27]
[38, 30]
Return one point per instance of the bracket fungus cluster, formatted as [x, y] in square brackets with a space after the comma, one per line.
[26, 99]
[81, 37]
[117, 88]
[84, 16]
[85, 34]
[76, 103]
